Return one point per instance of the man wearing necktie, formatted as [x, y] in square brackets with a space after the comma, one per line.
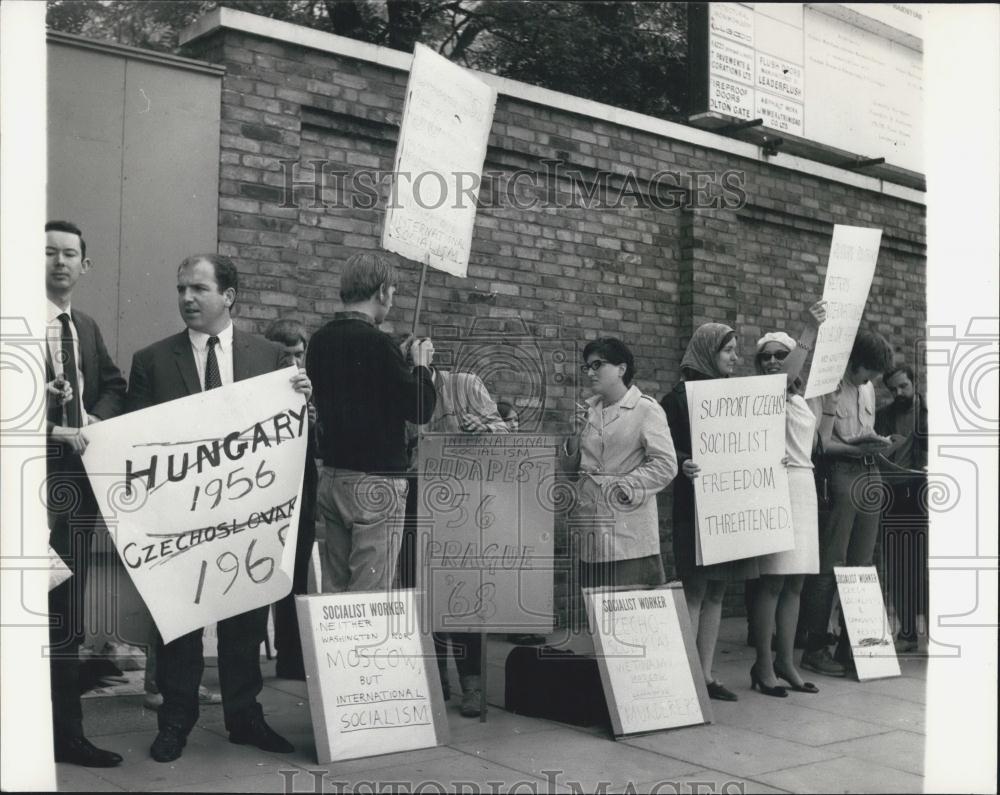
[85, 387]
[208, 354]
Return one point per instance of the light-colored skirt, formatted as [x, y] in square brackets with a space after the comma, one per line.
[804, 558]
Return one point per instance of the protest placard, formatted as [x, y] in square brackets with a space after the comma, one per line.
[647, 658]
[867, 624]
[741, 493]
[201, 497]
[484, 531]
[371, 673]
[849, 273]
[446, 123]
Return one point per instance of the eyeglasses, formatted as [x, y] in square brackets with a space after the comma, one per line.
[779, 355]
[593, 366]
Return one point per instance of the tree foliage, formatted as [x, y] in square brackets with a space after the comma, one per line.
[629, 54]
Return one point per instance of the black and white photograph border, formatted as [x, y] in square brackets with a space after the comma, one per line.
[961, 134]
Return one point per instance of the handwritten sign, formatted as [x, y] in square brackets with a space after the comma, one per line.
[647, 658]
[741, 493]
[371, 673]
[439, 161]
[201, 497]
[58, 571]
[867, 623]
[484, 532]
[849, 273]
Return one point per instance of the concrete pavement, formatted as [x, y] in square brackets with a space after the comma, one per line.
[851, 737]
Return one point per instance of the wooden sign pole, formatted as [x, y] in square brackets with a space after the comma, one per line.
[420, 294]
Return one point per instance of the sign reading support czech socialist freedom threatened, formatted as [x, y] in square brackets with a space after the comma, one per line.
[647, 658]
[372, 674]
[484, 531]
[447, 117]
[741, 493]
[867, 624]
[201, 497]
[849, 273]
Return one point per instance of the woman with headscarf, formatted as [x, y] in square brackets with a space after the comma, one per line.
[776, 597]
[711, 353]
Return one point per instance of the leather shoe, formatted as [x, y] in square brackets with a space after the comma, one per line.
[80, 751]
[720, 692]
[256, 732]
[168, 745]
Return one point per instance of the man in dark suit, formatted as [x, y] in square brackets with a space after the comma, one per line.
[208, 354]
[85, 387]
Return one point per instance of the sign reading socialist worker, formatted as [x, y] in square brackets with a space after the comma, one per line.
[201, 497]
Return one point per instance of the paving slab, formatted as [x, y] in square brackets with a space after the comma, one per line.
[73, 778]
[708, 781]
[875, 708]
[206, 758]
[263, 782]
[734, 751]
[847, 775]
[900, 750]
[794, 718]
[579, 757]
[454, 772]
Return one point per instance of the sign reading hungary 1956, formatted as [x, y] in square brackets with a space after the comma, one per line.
[201, 497]
[484, 534]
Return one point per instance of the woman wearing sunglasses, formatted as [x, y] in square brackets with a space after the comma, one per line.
[624, 455]
[776, 597]
[711, 353]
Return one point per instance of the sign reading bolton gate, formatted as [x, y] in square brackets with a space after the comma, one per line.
[484, 531]
[201, 496]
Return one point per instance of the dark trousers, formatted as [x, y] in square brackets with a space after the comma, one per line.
[904, 550]
[847, 537]
[180, 663]
[72, 516]
[287, 642]
[406, 571]
[467, 649]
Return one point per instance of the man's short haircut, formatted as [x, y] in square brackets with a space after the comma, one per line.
[615, 351]
[872, 351]
[226, 275]
[899, 368]
[286, 331]
[73, 229]
[363, 274]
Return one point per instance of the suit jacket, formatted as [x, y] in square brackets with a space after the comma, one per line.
[103, 384]
[166, 369]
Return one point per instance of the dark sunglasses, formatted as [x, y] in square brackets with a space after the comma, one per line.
[594, 366]
[779, 355]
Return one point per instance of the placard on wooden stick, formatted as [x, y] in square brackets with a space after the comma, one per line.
[867, 623]
[647, 658]
[371, 673]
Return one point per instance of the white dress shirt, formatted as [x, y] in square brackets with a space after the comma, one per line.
[53, 336]
[223, 353]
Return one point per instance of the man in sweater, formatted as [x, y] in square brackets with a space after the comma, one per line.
[365, 392]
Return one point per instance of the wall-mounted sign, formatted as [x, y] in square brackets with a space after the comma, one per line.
[845, 76]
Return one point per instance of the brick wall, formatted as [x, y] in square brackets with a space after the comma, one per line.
[542, 282]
